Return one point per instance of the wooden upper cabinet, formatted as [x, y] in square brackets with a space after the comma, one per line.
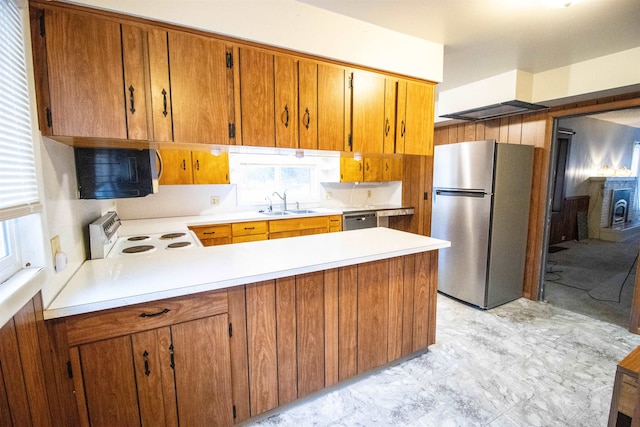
[161, 114]
[257, 93]
[351, 170]
[197, 167]
[416, 101]
[373, 168]
[392, 168]
[367, 116]
[86, 79]
[308, 104]
[332, 105]
[209, 168]
[176, 167]
[286, 102]
[201, 89]
[389, 132]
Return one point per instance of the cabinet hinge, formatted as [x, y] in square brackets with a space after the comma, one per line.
[229, 60]
[43, 31]
[234, 412]
[69, 369]
[230, 330]
[232, 130]
[49, 118]
[350, 142]
[350, 82]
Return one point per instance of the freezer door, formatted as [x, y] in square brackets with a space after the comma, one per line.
[464, 220]
[467, 165]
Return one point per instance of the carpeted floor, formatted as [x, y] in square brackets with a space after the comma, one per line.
[593, 277]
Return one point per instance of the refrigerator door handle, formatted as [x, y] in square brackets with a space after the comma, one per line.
[461, 193]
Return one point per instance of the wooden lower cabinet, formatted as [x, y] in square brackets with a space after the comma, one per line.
[298, 227]
[311, 331]
[249, 231]
[213, 235]
[175, 374]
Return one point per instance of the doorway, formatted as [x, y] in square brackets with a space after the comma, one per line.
[585, 269]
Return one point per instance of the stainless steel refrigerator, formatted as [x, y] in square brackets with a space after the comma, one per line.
[481, 193]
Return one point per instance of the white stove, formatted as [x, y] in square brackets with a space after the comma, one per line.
[105, 242]
[148, 243]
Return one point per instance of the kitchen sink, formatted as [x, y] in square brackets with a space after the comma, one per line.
[302, 211]
[276, 213]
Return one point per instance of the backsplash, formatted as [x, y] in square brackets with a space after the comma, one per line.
[188, 200]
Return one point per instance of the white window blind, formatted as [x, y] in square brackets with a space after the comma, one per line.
[18, 184]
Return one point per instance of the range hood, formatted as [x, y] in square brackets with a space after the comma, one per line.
[502, 109]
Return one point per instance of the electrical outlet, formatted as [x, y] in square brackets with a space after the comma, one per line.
[368, 194]
[55, 247]
[215, 200]
[328, 195]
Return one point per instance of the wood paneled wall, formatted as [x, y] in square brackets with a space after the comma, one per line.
[26, 370]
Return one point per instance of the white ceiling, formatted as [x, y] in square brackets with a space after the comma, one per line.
[483, 38]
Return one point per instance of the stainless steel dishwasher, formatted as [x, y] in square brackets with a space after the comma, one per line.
[359, 220]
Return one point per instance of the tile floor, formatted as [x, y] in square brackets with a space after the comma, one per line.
[521, 364]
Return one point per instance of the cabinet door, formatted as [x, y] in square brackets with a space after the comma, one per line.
[203, 371]
[201, 89]
[351, 170]
[389, 139]
[86, 84]
[160, 85]
[373, 314]
[373, 169]
[401, 119]
[257, 92]
[286, 109]
[209, 168]
[154, 377]
[392, 169]
[419, 119]
[308, 104]
[176, 167]
[331, 107]
[367, 116]
[134, 46]
[109, 382]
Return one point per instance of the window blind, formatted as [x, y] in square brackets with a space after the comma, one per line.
[18, 182]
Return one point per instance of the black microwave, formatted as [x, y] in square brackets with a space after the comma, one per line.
[114, 173]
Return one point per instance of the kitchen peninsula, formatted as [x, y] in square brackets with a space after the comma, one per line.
[229, 332]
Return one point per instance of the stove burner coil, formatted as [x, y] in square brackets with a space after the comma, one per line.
[137, 249]
[178, 245]
[137, 238]
[171, 236]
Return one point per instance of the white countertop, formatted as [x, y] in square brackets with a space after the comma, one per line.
[109, 283]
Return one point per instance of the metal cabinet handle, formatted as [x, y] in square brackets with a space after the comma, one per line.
[209, 232]
[132, 100]
[159, 313]
[164, 103]
[184, 164]
[147, 372]
[387, 127]
[404, 127]
[249, 228]
[197, 165]
[286, 116]
[307, 118]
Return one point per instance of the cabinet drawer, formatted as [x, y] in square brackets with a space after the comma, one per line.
[212, 235]
[316, 222]
[250, 238]
[105, 324]
[247, 228]
[335, 223]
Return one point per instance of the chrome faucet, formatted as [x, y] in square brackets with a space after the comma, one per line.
[270, 208]
[283, 198]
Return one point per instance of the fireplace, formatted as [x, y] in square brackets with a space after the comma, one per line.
[620, 204]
